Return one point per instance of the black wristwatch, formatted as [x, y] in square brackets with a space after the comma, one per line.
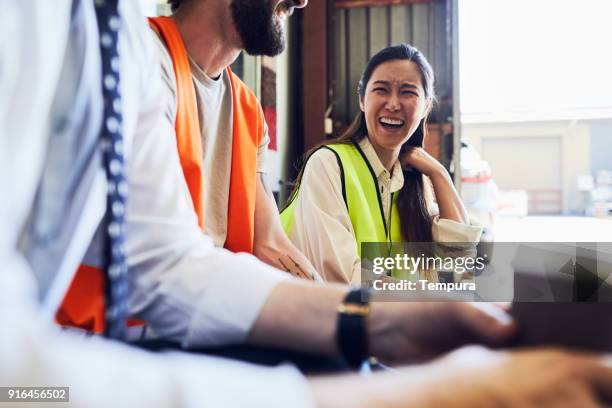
[352, 334]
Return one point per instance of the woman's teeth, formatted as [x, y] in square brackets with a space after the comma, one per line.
[391, 122]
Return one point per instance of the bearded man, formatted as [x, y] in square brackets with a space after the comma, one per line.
[221, 136]
[223, 150]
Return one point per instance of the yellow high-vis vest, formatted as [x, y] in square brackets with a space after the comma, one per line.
[361, 196]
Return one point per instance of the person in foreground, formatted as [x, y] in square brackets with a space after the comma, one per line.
[371, 184]
[57, 111]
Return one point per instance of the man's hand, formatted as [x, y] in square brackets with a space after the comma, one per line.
[397, 331]
[475, 377]
[533, 378]
[418, 331]
[271, 244]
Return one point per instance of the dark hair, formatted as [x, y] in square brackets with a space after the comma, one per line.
[415, 218]
[174, 4]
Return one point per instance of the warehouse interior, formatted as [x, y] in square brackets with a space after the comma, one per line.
[273, 203]
[561, 137]
[535, 131]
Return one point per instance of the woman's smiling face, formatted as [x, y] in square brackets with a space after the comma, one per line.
[394, 104]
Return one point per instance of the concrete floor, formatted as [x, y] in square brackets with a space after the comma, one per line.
[552, 229]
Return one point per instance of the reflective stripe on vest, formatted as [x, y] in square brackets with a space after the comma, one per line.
[361, 196]
[83, 305]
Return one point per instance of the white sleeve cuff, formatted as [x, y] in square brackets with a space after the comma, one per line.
[233, 299]
[445, 230]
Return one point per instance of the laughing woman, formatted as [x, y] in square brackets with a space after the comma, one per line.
[374, 182]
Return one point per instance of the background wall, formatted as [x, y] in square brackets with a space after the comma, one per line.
[544, 158]
[601, 145]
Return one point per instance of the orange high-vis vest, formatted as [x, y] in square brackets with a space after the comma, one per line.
[248, 132]
[84, 305]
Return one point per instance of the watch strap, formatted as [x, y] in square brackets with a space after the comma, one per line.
[351, 337]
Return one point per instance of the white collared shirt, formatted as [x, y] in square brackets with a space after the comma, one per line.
[322, 228]
[186, 288]
[389, 183]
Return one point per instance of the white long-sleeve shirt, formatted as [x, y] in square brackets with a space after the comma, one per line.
[186, 288]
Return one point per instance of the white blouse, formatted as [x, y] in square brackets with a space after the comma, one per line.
[322, 228]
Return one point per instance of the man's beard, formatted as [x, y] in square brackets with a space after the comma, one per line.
[259, 29]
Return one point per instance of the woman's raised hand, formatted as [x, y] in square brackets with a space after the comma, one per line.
[418, 159]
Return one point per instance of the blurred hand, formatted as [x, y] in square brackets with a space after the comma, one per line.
[419, 331]
[533, 378]
[417, 158]
[475, 377]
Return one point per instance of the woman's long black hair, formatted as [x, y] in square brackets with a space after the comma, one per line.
[415, 218]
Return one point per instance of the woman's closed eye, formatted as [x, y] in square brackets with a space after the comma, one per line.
[409, 90]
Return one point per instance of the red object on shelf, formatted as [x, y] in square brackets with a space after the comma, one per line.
[270, 115]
